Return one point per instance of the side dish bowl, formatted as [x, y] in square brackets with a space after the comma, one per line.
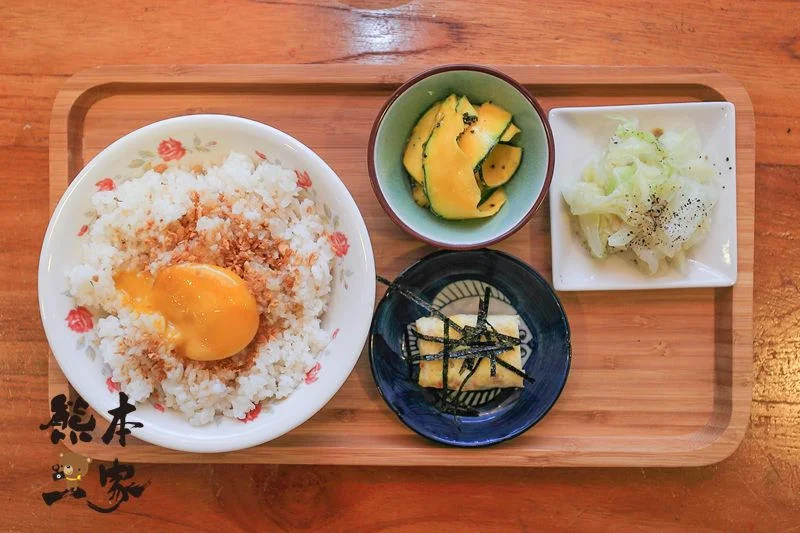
[454, 281]
[197, 140]
[391, 130]
[582, 134]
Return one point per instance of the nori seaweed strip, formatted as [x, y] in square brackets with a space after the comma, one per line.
[516, 371]
[481, 351]
[481, 341]
[445, 362]
[475, 333]
[495, 335]
[465, 364]
[470, 335]
[464, 381]
[420, 302]
[434, 311]
[483, 309]
[467, 341]
[500, 337]
[483, 325]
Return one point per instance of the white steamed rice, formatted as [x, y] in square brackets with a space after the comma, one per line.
[143, 211]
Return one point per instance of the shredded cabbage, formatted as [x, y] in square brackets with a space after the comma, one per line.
[648, 197]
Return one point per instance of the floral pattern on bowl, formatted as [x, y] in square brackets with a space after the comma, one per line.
[158, 147]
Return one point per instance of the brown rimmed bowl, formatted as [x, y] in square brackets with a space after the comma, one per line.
[392, 127]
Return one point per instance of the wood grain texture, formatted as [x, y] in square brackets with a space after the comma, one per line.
[757, 489]
[658, 377]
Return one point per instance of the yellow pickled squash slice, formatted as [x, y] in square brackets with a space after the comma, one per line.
[449, 181]
[510, 133]
[493, 203]
[500, 165]
[467, 112]
[412, 157]
[418, 194]
[481, 136]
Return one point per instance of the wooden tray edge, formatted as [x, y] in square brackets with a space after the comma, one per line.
[731, 429]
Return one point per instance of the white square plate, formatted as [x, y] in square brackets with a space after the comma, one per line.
[581, 134]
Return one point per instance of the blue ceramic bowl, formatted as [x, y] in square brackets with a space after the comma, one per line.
[394, 123]
[453, 282]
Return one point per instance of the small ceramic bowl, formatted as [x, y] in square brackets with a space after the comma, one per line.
[583, 133]
[391, 130]
[186, 141]
[454, 282]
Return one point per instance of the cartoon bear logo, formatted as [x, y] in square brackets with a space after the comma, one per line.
[74, 467]
[71, 467]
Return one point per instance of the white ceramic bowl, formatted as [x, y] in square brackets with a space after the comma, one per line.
[581, 134]
[193, 140]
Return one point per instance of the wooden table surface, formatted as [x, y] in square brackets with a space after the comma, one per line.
[757, 489]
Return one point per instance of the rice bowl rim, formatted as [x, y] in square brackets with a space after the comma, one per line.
[360, 300]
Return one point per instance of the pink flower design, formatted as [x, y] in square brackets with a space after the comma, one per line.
[158, 407]
[311, 375]
[303, 179]
[79, 320]
[112, 385]
[335, 333]
[105, 184]
[83, 230]
[251, 414]
[339, 243]
[260, 155]
[170, 149]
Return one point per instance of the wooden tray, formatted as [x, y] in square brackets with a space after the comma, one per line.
[658, 377]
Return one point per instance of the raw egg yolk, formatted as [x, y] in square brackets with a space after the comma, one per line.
[209, 311]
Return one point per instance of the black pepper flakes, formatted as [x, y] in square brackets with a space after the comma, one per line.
[469, 119]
